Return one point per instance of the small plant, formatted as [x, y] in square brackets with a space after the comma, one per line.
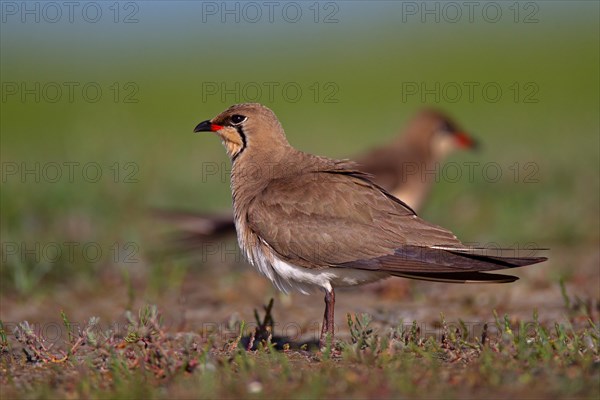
[578, 307]
[360, 332]
[147, 324]
[38, 350]
[4, 345]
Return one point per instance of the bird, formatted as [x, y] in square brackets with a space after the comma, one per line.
[402, 166]
[313, 223]
[407, 166]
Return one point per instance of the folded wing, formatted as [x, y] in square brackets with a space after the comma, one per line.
[340, 219]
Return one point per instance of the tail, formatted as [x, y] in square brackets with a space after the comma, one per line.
[450, 264]
[460, 277]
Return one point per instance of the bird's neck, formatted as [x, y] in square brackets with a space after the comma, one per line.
[414, 143]
[252, 171]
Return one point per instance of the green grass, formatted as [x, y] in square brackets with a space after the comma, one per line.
[510, 358]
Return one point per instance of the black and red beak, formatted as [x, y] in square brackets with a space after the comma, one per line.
[207, 126]
[465, 141]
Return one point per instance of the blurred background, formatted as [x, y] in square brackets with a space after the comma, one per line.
[99, 100]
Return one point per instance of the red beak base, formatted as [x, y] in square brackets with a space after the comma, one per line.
[465, 141]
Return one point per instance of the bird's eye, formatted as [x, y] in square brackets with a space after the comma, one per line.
[446, 127]
[237, 119]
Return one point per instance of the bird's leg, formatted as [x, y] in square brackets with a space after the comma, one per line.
[328, 318]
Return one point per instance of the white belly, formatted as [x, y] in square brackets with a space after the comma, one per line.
[286, 276]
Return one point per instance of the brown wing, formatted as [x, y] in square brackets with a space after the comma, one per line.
[198, 224]
[341, 219]
[192, 231]
[325, 219]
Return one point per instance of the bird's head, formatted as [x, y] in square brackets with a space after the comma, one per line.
[439, 134]
[247, 127]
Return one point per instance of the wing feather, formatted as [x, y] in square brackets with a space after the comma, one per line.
[334, 218]
[339, 218]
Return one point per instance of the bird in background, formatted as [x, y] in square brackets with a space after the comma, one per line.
[308, 222]
[407, 167]
[403, 167]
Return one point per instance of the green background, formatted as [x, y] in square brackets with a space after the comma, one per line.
[365, 57]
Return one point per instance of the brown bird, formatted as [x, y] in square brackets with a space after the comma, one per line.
[310, 222]
[407, 167]
[403, 167]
